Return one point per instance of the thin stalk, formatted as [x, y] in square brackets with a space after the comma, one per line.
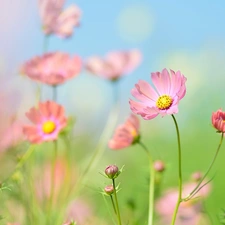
[151, 187]
[44, 50]
[52, 191]
[117, 205]
[113, 204]
[106, 203]
[107, 131]
[179, 200]
[22, 160]
[209, 168]
[54, 97]
[45, 43]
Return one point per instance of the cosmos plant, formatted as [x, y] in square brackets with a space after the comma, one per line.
[50, 183]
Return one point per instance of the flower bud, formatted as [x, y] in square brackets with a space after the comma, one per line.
[109, 189]
[112, 171]
[159, 166]
[197, 176]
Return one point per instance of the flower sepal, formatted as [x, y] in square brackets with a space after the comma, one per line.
[136, 139]
[109, 190]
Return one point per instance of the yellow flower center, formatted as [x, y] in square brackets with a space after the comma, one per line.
[48, 127]
[164, 102]
[134, 133]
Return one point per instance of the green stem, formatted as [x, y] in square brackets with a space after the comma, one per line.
[179, 200]
[52, 179]
[25, 156]
[22, 160]
[39, 85]
[117, 205]
[99, 150]
[213, 161]
[113, 203]
[151, 187]
[109, 210]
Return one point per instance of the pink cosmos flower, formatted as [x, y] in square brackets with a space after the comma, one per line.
[48, 121]
[56, 21]
[126, 134]
[189, 212]
[170, 89]
[218, 120]
[115, 64]
[52, 68]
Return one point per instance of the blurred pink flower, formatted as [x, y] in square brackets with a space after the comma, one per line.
[48, 119]
[10, 127]
[159, 165]
[189, 212]
[43, 184]
[218, 120]
[52, 68]
[126, 134]
[11, 134]
[115, 64]
[56, 21]
[13, 224]
[79, 211]
[170, 89]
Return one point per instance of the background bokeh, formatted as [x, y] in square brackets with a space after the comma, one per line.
[182, 35]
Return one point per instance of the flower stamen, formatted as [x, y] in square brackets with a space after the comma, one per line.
[48, 127]
[164, 102]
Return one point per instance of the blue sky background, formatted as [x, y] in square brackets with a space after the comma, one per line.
[181, 35]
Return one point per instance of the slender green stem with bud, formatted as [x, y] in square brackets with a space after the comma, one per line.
[99, 150]
[210, 167]
[151, 186]
[179, 200]
[117, 205]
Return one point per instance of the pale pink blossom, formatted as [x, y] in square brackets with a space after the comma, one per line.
[218, 120]
[80, 211]
[115, 64]
[11, 134]
[126, 134]
[44, 182]
[69, 223]
[57, 21]
[170, 89]
[13, 224]
[11, 127]
[48, 120]
[189, 212]
[52, 68]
